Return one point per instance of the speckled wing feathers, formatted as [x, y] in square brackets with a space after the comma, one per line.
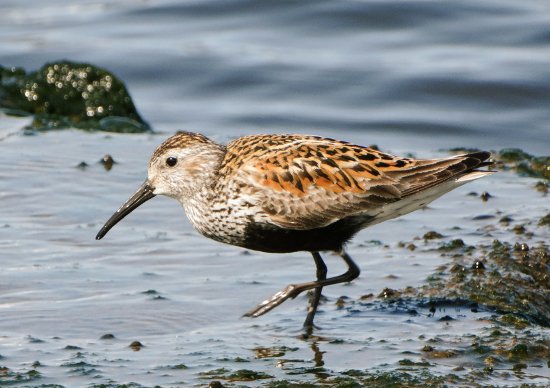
[305, 182]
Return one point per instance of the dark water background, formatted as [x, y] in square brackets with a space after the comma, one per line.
[446, 73]
[414, 76]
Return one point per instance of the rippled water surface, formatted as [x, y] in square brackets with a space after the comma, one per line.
[414, 77]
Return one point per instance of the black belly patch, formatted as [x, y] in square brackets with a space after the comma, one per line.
[271, 238]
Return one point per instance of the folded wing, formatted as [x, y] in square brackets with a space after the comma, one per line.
[306, 182]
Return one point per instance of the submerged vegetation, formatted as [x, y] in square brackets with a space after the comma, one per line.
[509, 279]
[524, 164]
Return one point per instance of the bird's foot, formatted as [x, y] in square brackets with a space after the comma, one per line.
[291, 291]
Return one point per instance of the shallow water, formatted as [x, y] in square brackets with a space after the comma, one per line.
[411, 77]
[156, 281]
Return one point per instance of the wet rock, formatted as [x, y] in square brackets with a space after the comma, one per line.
[523, 163]
[446, 318]
[485, 196]
[519, 229]
[478, 265]
[545, 221]
[519, 351]
[34, 340]
[483, 217]
[107, 161]
[72, 347]
[519, 366]
[509, 155]
[70, 94]
[179, 367]
[82, 165]
[432, 235]
[271, 352]
[521, 247]
[388, 293]
[136, 346]
[457, 268]
[408, 362]
[515, 285]
[515, 321]
[446, 353]
[239, 375]
[491, 361]
[108, 336]
[506, 220]
[366, 296]
[543, 187]
[453, 244]
[341, 302]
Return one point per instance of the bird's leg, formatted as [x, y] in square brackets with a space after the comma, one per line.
[314, 302]
[293, 290]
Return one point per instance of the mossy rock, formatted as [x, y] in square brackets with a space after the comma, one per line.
[514, 283]
[69, 94]
[524, 164]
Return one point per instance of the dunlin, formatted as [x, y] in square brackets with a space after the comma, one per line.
[288, 193]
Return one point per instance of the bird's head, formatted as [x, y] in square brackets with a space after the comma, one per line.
[178, 168]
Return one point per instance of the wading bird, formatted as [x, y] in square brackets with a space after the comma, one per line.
[288, 193]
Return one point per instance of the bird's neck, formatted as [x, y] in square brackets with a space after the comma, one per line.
[200, 197]
[212, 208]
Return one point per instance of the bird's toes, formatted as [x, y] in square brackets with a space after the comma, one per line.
[275, 300]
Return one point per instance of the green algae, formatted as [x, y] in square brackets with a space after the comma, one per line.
[511, 155]
[452, 245]
[10, 377]
[238, 375]
[289, 384]
[115, 385]
[409, 362]
[545, 221]
[513, 282]
[367, 378]
[70, 94]
[432, 235]
[523, 163]
[271, 352]
[542, 187]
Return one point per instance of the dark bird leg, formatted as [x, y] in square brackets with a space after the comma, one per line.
[314, 302]
[293, 290]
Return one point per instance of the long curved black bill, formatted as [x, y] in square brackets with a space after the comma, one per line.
[143, 194]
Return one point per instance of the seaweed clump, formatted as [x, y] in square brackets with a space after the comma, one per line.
[70, 94]
[523, 163]
[514, 282]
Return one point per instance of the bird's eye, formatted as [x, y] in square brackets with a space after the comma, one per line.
[171, 161]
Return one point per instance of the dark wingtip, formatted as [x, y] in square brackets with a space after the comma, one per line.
[478, 159]
[481, 155]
